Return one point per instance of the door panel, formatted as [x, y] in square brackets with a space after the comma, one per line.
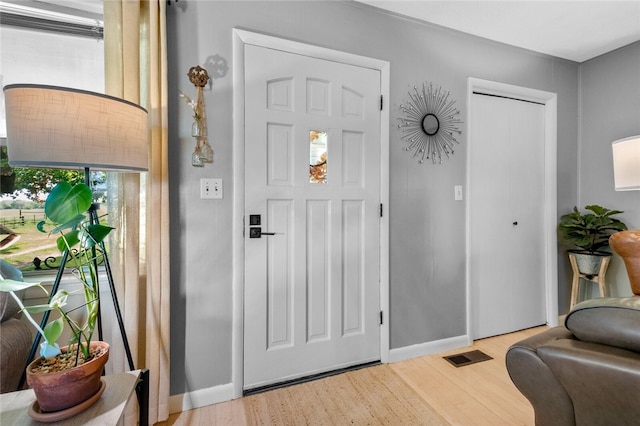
[279, 160]
[318, 272]
[506, 215]
[280, 291]
[312, 288]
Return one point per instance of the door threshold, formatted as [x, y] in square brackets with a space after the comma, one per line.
[306, 379]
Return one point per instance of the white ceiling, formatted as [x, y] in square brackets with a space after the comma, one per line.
[577, 30]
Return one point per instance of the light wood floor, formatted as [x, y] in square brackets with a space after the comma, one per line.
[477, 394]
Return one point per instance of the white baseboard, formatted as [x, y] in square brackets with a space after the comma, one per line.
[200, 398]
[428, 348]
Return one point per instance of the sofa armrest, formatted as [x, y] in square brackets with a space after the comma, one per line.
[536, 381]
[602, 381]
[15, 341]
[611, 321]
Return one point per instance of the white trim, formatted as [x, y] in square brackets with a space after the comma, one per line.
[200, 398]
[240, 38]
[428, 348]
[550, 102]
[237, 324]
[285, 45]
[385, 89]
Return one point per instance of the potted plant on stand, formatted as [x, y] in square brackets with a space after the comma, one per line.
[589, 232]
[67, 380]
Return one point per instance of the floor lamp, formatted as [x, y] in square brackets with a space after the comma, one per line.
[58, 127]
[626, 169]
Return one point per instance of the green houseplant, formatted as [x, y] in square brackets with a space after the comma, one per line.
[66, 210]
[588, 234]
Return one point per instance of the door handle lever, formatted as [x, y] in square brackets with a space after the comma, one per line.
[256, 232]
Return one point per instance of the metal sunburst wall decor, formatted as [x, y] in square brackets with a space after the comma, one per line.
[430, 123]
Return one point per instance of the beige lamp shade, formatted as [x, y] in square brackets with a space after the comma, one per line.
[626, 163]
[58, 127]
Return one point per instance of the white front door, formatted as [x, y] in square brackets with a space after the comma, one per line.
[507, 215]
[312, 181]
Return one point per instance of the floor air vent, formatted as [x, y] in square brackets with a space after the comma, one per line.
[466, 358]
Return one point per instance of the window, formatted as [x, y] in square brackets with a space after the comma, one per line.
[318, 156]
[58, 46]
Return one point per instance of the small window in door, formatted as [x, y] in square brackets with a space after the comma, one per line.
[317, 156]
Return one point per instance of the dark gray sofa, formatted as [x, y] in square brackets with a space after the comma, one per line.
[586, 372]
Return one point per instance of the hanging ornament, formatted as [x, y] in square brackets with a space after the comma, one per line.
[196, 157]
[203, 152]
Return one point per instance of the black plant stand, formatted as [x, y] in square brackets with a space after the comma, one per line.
[93, 218]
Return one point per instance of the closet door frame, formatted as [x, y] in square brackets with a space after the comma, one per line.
[549, 100]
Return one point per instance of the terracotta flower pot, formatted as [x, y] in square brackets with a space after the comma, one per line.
[63, 389]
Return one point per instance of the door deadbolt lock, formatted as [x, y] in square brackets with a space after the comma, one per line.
[256, 231]
[254, 219]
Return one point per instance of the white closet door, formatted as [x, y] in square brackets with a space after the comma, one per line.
[507, 274]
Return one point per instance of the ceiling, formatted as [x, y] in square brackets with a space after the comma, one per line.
[577, 30]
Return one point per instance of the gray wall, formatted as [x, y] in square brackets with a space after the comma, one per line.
[427, 275]
[609, 110]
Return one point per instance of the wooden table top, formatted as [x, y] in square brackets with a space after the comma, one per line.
[107, 410]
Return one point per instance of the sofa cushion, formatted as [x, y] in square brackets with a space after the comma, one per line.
[609, 321]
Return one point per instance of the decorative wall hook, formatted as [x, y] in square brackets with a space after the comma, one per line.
[203, 153]
[430, 123]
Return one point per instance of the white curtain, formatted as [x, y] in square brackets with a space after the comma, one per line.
[136, 70]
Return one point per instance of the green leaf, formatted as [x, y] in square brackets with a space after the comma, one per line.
[40, 226]
[70, 224]
[37, 309]
[53, 331]
[596, 209]
[66, 202]
[71, 239]
[97, 234]
[589, 231]
[11, 285]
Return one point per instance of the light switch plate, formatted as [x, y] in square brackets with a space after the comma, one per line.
[210, 188]
[457, 192]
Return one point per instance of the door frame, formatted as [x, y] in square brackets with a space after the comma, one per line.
[550, 102]
[241, 38]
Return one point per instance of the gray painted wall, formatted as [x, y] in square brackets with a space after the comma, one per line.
[609, 110]
[426, 225]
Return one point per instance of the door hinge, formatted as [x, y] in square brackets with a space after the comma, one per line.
[381, 318]
[381, 102]
[381, 210]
